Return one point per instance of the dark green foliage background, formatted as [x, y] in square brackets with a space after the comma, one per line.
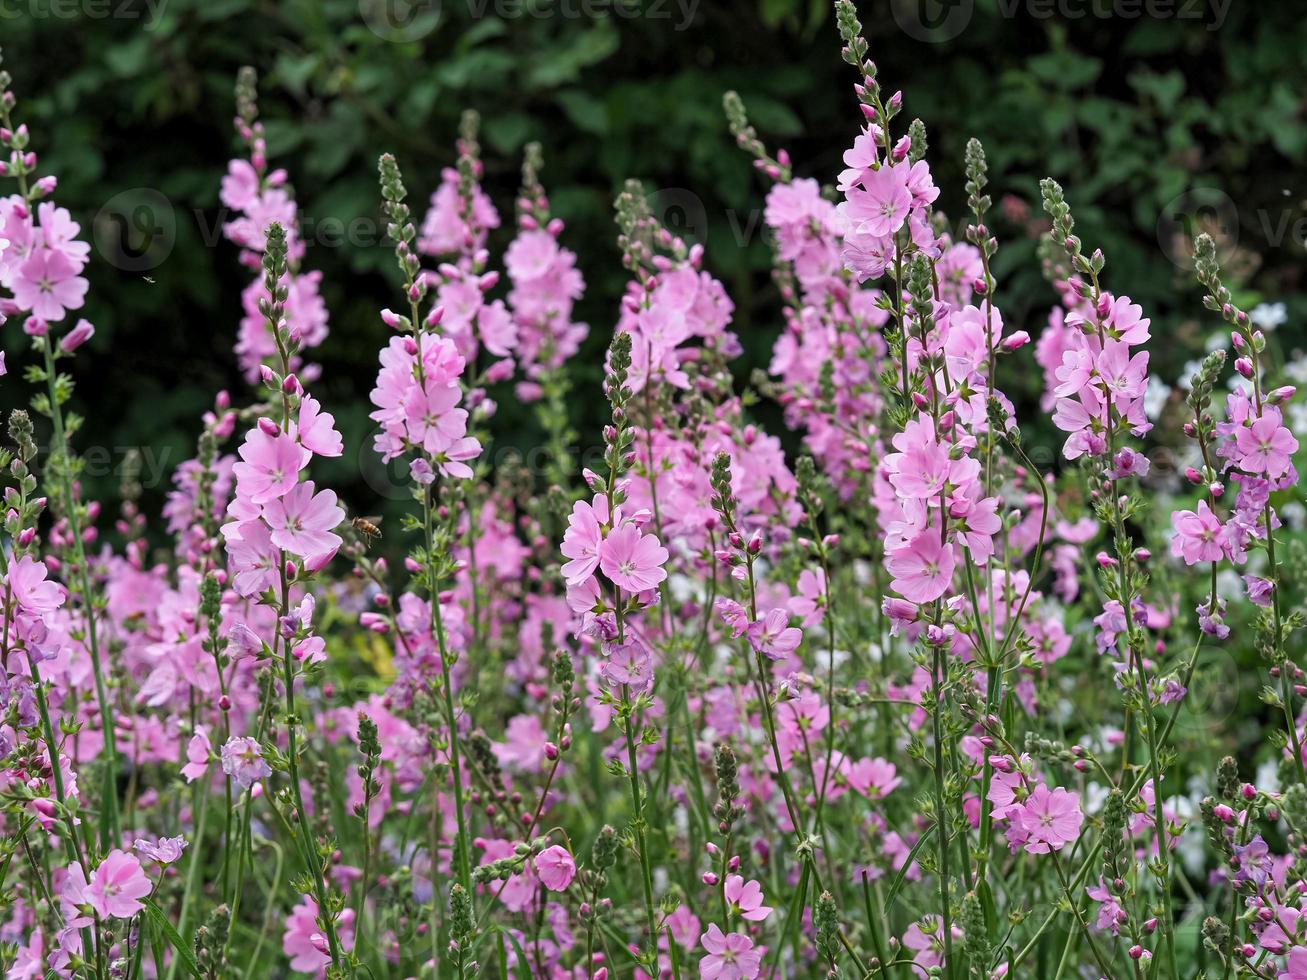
[1127, 110]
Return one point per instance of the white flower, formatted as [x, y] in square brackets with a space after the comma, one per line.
[1296, 370]
[1268, 316]
[1155, 396]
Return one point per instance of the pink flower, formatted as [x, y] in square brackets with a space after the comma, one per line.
[117, 886]
[873, 777]
[927, 942]
[684, 926]
[270, 465]
[48, 285]
[923, 568]
[165, 850]
[240, 186]
[317, 429]
[628, 664]
[555, 867]
[809, 604]
[524, 745]
[452, 460]
[730, 957]
[1050, 820]
[243, 761]
[31, 590]
[304, 941]
[881, 207]
[583, 538]
[1123, 376]
[1295, 966]
[1111, 916]
[1197, 535]
[745, 898]
[29, 962]
[77, 336]
[1266, 446]
[632, 561]
[303, 522]
[73, 899]
[773, 636]
[922, 465]
[197, 755]
[254, 559]
[1259, 590]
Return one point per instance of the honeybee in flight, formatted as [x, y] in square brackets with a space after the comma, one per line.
[367, 526]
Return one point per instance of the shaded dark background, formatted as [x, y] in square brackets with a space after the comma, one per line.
[1155, 116]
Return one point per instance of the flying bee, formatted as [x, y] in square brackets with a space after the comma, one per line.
[367, 526]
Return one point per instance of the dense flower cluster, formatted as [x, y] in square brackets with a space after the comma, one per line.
[915, 701]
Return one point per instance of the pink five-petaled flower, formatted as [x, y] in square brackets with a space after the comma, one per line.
[555, 868]
[1197, 535]
[731, 956]
[48, 285]
[1050, 819]
[30, 588]
[632, 560]
[873, 777]
[923, 568]
[745, 898]
[773, 636]
[117, 886]
[270, 465]
[628, 663]
[882, 208]
[1266, 446]
[302, 521]
[243, 761]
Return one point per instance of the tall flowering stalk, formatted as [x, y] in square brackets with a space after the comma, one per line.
[417, 396]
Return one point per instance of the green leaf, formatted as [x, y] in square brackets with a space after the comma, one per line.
[507, 132]
[775, 11]
[584, 111]
[903, 871]
[564, 65]
[184, 955]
